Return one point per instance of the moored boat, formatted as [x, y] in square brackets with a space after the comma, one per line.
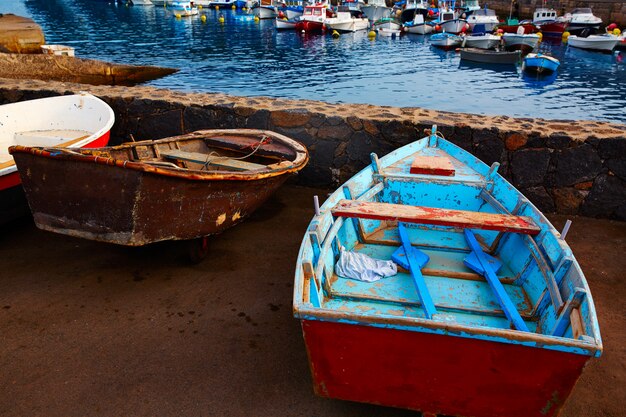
[346, 21]
[540, 64]
[482, 41]
[600, 43]
[526, 42]
[314, 18]
[488, 315]
[446, 40]
[548, 22]
[267, 9]
[418, 26]
[582, 19]
[178, 188]
[485, 17]
[184, 9]
[376, 9]
[449, 20]
[488, 56]
[286, 24]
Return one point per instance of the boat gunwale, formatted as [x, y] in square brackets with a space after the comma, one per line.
[301, 157]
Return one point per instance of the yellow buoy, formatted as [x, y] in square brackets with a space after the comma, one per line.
[199, 7]
[565, 36]
[335, 34]
[203, 18]
[221, 19]
[178, 16]
[371, 34]
[217, 7]
[233, 7]
[256, 18]
[540, 36]
[244, 8]
[616, 32]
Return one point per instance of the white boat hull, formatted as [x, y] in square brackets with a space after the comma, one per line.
[268, 12]
[526, 42]
[420, 29]
[604, 43]
[350, 25]
[481, 42]
[374, 13]
[453, 26]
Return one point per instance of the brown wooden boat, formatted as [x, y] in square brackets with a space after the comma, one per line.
[77, 70]
[178, 188]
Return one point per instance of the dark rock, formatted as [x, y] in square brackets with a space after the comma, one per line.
[536, 141]
[398, 132]
[317, 120]
[355, 123]
[290, 118]
[515, 140]
[157, 125]
[607, 195]
[567, 200]
[258, 120]
[335, 120]
[620, 213]
[360, 147]
[540, 198]
[617, 166]
[198, 118]
[462, 137]
[576, 165]
[612, 148]
[529, 166]
[558, 141]
[342, 132]
[298, 133]
[487, 146]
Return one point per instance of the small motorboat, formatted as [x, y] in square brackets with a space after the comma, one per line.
[488, 56]
[540, 64]
[314, 19]
[446, 40]
[286, 24]
[582, 19]
[375, 9]
[346, 21]
[180, 188]
[72, 121]
[482, 41]
[388, 24]
[548, 22]
[418, 26]
[267, 9]
[601, 43]
[450, 21]
[483, 309]
[485, 17]
[526, 42]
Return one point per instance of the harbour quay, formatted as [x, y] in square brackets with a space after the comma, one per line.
[573, 167]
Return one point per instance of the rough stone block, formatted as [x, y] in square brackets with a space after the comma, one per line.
[198, 118]
[258, 120]
[540, 198]
[576, 165]
[360, 147]
[488, 146]
[567, 200]
[617, 166]
[516, 140]
[558, 141]
[157, 125]
[290, 118]
[612, 148]
[341, 132]
[606, 197]
[529, 167]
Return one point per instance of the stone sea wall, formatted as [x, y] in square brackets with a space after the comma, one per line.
[610, 11]
[564, 166]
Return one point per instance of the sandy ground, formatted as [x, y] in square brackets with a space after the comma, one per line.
[95, 329]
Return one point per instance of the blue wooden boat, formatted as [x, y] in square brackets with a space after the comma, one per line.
[540, 64]
[489, 314]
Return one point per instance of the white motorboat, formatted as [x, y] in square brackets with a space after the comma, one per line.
[485, 17]
[548, 22]
[387, 23]
[449, 21]
[481, 41]
[346, 21]
[603, 43]
[418, 26]
[142, 3]
[286, 24]
[267, 10]
[446, 40]
[581, 19]
[376, 9]
[526, 42]
[413, 8]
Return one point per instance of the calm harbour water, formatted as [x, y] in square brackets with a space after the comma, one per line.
[247, 58]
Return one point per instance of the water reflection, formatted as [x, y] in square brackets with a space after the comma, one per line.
[244, 57]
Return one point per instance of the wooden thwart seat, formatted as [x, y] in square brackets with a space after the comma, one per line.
[432, 165]
[204, 159]
[435, 216]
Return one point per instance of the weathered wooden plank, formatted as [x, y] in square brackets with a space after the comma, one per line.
[436, 216]
[205, 159]
[432, 165]
[503, 298]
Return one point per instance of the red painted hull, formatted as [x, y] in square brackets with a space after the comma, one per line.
[556, 28]
[310, 27]
[528, 28]
[438, 374]
[13, 179]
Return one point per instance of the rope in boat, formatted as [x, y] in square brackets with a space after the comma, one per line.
[264, 139]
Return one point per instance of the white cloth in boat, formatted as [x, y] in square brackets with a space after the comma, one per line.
[361, 267]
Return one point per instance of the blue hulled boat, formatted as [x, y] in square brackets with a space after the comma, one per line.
[540, 64]
[486, 312]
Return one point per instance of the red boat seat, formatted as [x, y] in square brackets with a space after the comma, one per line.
[435, 216]
[432, 165]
